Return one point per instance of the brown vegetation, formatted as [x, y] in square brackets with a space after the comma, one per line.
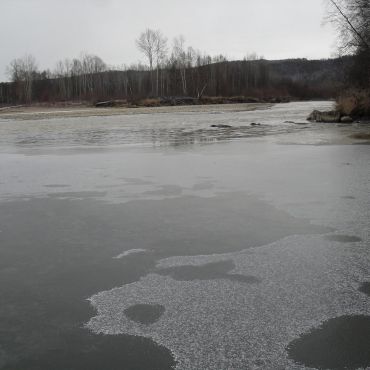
[354, 103]
[149, 102]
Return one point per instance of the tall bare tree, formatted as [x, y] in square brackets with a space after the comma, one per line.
[352, 19]
[146, 44]
[181, 59]
[22, 71]
[160, 52]
[153, 45]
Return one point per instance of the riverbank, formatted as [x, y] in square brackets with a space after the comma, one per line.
[36, 112]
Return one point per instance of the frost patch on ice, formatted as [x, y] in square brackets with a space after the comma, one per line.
[225, 324]
[129, 252]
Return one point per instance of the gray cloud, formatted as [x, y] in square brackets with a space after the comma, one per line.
[55, 29]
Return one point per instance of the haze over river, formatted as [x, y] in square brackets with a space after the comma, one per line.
[155, 241]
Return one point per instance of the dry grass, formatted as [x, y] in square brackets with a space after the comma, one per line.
[150, 102]
[212, 100]
[355, 103]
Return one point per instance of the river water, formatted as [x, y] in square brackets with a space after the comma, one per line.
[155, 241]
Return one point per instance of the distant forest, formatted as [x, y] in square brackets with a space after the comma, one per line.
[89, 79]
[172, 73]
[185, 73]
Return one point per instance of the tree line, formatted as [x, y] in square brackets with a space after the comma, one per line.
[176, 71]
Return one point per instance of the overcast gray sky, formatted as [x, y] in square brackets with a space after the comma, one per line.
[56, 29]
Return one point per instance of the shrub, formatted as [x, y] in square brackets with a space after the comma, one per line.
[355, 103]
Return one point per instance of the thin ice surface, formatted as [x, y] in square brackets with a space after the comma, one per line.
[81, 175]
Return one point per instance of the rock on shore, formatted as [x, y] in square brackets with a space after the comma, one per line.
[332, 116]
[328, 116]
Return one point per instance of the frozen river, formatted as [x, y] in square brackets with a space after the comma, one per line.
[155, 241]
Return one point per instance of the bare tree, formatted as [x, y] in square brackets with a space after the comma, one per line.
[352, 19]
[146, 44]
[91, 65]
[153, 45]
[22, 71]
[62, 73]
[160, 52]
[180, 58]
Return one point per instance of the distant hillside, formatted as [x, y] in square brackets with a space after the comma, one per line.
[260, 79]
